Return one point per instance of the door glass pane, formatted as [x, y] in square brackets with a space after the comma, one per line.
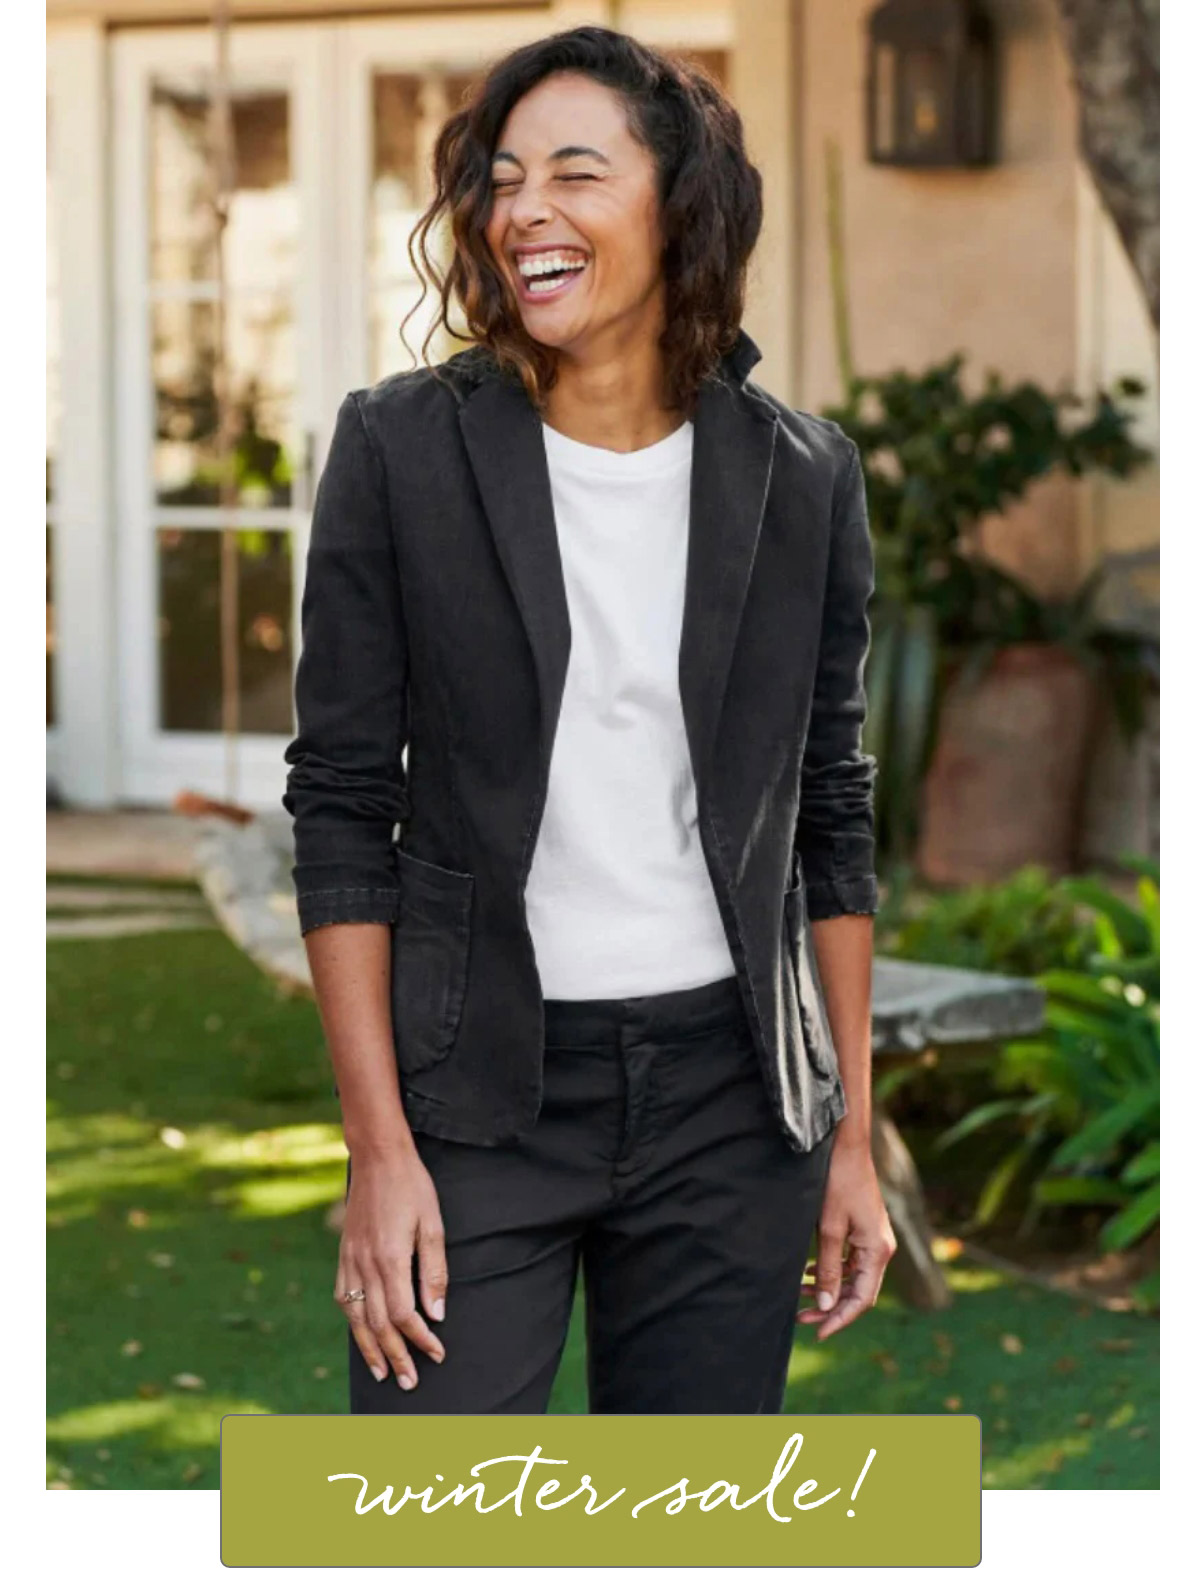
[260, 343]
[255, 257]
[189, 630]
[262, 229]
[408, 111]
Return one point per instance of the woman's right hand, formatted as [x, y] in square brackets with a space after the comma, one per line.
[392, 1213]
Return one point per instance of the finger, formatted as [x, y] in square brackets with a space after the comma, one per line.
[859, 1294]
[848, 1310]
[386, 1335]
[829, 1265]
[811, 1291]
[431, 1259]
[368, 1346]
[404, 1315]
[356, 1317]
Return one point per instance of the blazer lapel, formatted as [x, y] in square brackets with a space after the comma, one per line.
[731, 469]
[503, 435]
[733, 449]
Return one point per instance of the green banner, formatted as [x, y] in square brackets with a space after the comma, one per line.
[690, 1490]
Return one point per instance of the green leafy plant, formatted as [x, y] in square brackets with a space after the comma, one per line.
[1083, 1095]
[938, 462]
[1022, 926]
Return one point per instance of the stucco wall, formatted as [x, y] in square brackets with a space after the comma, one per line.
[937, 261]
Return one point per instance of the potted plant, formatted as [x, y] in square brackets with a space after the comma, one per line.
[982, 695]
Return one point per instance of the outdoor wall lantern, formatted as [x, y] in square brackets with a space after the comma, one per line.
[930, 84]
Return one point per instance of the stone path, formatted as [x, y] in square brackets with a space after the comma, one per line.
[133, 925]
[125, 848]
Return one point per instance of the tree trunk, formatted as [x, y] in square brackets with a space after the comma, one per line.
[1113, 47]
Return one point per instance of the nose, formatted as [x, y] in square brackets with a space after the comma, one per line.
[531, 206]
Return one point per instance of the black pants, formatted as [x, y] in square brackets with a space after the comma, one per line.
[656, 1162]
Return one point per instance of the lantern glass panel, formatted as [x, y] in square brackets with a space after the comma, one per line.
[923, 99]
[885, 100]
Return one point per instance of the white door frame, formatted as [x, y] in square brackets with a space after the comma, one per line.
[81, 749]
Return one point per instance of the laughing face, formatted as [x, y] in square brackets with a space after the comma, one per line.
[574, 221]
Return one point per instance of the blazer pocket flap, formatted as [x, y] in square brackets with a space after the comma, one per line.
[430, 946]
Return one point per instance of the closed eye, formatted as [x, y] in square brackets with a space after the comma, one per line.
[504, 186]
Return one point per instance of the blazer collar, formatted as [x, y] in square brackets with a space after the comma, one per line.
[477, 365]
[731, 469]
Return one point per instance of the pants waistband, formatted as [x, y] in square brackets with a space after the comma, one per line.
[689, 1011]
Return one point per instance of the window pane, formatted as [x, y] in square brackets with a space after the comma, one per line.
[260, 341]
[189, 630]
[395, 205]
[264, 212]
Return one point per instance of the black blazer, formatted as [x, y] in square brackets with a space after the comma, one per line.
[434, 617]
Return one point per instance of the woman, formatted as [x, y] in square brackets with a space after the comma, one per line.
[605, 1002]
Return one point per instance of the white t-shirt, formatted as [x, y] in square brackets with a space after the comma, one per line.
[619, 900]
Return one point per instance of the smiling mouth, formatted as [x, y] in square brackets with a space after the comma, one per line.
[553, 278]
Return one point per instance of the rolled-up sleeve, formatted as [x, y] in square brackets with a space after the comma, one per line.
[346, 784]
[835, 832]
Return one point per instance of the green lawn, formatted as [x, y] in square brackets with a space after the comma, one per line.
[193, 1150]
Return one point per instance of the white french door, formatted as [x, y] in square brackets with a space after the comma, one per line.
[280, 271]
[333, 124]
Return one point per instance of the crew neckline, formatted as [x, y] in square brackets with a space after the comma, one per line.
[663, 455]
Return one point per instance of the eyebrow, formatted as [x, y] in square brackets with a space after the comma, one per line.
[572, 151]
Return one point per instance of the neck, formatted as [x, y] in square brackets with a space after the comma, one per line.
[610, 394]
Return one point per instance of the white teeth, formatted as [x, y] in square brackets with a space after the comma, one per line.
[530, 268]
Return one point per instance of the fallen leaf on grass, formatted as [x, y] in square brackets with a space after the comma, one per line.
[132, 1348]
[187, 1382]
[953, 1404]
[1011, 1343]
[947, 1249]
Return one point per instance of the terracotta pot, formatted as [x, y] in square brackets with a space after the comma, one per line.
[1005, 786]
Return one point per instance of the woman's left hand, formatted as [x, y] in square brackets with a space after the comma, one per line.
[853, 1215]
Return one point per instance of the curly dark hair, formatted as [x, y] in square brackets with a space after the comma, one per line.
[710, 202]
